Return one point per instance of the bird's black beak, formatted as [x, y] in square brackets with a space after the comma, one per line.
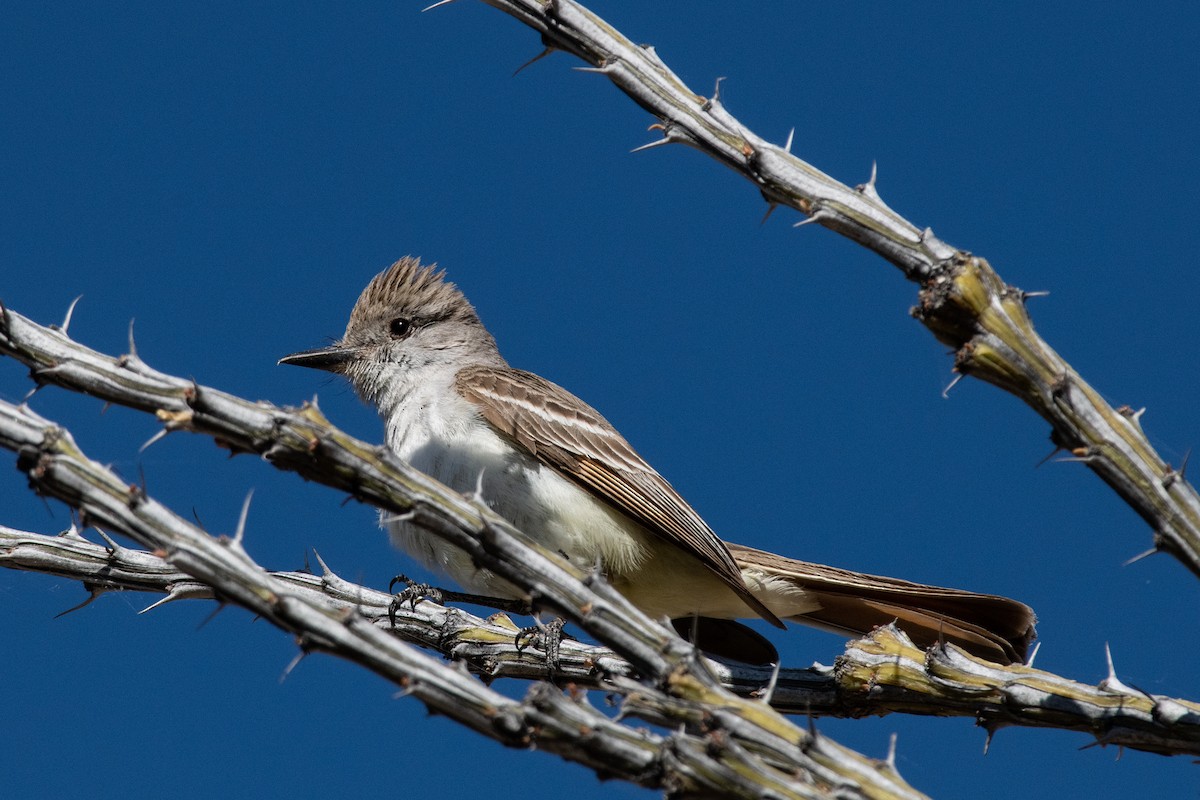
[331, 359]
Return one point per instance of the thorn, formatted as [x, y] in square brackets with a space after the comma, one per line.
[141, 487]
[438, 4]
[518, 70]
[716, 98]
[170, 596]
[133, 353]
[325, 570]
[388, 520]
[769, 692]
[1049, 456]
[808, 220]
[477, 495]
[1032, 654]
[987, 743]
[66, 323]
[241, 526]
[162, 434]
[603, 69]
[1029, 295]
[871, 183]
[93, 593]
[651, 145]
[295, 662]
[1141, 555]
[927, 234]
[1080, 455]
[113, 548]
[1112, 683]
[770, 210]
[220, 607]
[787, 146]
[952, 384]
[891, 754]
[1130, 414]
[1183, 467]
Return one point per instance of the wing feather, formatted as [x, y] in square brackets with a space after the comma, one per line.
[562, 431]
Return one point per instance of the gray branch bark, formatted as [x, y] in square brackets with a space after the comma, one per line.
[962, 300]
[880, 674]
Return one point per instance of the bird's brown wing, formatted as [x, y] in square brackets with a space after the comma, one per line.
[562, 431]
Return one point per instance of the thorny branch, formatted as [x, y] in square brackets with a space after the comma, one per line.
[724, 745]
[962, 300]
[877, 675]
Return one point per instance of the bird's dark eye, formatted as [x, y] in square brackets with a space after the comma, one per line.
[400, 327]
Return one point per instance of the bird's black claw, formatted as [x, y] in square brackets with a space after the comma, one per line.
[412, 593]
[545, 636]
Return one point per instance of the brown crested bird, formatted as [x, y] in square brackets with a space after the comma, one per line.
[550, 464]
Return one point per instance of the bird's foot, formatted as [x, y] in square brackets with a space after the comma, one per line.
[412, 593]
[545, 636]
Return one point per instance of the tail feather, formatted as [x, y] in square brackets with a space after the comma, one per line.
[990, 626]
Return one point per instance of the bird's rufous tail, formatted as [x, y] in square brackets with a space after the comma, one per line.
[990, 626]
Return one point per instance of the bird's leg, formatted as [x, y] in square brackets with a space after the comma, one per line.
[411, 593]
[414, 592]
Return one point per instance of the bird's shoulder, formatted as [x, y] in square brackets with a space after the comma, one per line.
[539, 414]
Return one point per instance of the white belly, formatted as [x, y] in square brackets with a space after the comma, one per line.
[466, 455]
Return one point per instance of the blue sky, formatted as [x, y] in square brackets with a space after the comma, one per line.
[230, 175]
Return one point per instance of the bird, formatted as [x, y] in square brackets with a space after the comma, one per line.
[452, 407]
